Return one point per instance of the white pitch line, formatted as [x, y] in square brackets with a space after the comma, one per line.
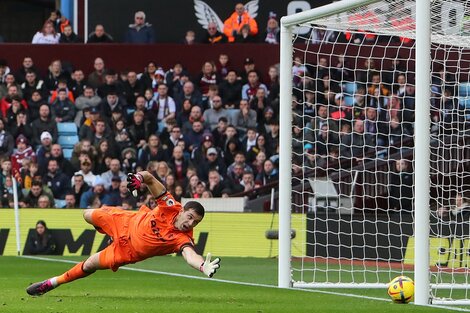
[351, 295]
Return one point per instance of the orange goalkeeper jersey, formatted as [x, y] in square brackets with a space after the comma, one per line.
[152, 232]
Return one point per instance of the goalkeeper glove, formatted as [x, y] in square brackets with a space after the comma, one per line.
[209, 268]
[134, 182]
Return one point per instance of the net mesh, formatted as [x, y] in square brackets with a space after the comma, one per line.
[353, 148]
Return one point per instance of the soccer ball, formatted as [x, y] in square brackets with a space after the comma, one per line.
[401, 289]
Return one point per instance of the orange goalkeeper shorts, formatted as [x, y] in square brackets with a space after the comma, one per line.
[115, 223]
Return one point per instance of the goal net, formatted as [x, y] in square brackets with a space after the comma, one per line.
[355, 146]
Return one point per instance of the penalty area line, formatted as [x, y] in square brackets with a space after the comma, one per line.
[141, 270]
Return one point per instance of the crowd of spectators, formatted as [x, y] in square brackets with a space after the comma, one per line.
[208, 134]
[239, 27]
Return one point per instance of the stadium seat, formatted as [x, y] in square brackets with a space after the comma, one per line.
[349, 88]
[59, 203]
[67, 153]
[464, 90]
[67, 142]
[464, 96]
[67, 129]
[349, 100]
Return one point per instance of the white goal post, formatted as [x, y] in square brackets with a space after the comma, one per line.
[442, 36]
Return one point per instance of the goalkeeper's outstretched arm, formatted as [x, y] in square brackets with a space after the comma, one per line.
[155, 187]
[206, 266]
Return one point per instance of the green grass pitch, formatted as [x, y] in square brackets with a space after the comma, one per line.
[146, 290]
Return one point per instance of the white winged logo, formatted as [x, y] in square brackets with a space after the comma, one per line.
[205, 14]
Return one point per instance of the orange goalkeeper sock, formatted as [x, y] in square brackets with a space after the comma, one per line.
[72, 274]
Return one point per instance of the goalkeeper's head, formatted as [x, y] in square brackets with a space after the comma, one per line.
[190, 216]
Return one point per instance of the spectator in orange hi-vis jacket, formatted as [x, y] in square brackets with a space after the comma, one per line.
[138, 235]
[239, 18]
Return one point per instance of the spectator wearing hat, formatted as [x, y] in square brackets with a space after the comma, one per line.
[86, 169]
[273, 32]
[251, 87]
[199, 153]
[43, 123]
[97, 190]
[248, 66]
[140, 32]
[56, 180]
[341, 114]
[120, 195]
[123, 140]
[213, 160]
[239, 18]
[113, 192]
[211, 116]
[43, 153]
[213, 35]
[158, 79]
[23, 151]
[112, 102]
[7, 142]
[90, 117]
[230, 89]
[129, 160]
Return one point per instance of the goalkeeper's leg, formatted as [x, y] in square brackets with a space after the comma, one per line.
[80, 270]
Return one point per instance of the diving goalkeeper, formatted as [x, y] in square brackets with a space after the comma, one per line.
[138, 235]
